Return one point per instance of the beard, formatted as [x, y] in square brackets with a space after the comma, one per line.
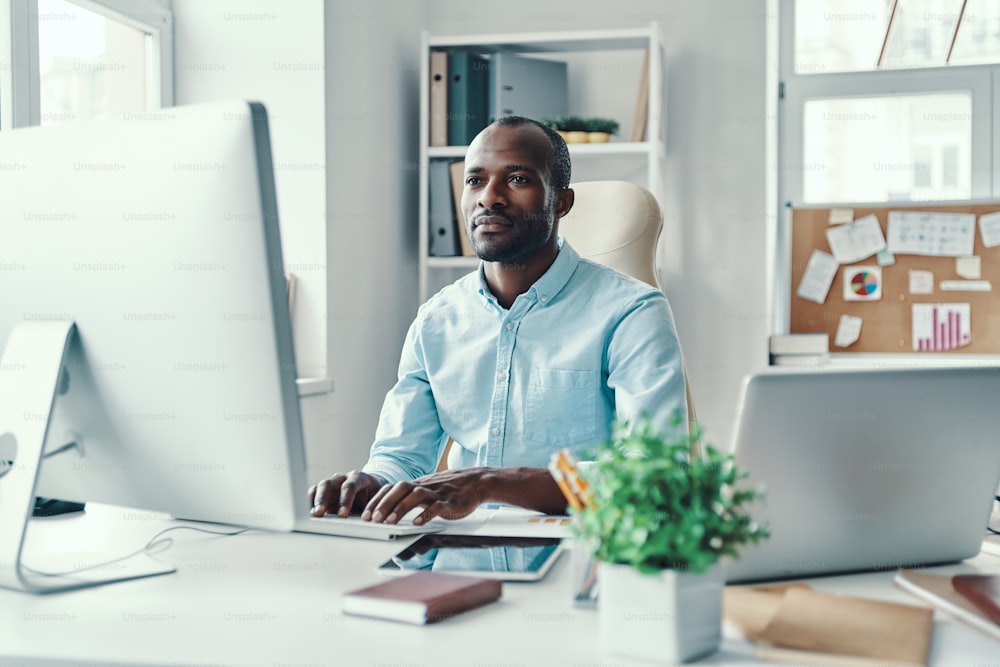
[527, 237]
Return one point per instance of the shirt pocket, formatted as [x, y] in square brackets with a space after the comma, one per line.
[561, 406]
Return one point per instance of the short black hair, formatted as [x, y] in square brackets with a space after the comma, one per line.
[558, 162]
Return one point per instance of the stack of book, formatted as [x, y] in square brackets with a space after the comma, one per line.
[810, 349]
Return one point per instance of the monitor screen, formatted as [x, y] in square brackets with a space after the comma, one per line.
[158, 238]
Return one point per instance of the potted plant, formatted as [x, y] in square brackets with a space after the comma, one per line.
[599, 130]
[573, 129]
[658, 520]
[554, 124]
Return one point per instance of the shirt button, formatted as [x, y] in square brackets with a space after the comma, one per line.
[510, 325]
[501, 376]
[495, 431]
[545, 297]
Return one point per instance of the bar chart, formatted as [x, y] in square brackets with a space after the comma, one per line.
[941, 326]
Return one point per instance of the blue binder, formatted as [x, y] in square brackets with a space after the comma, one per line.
[468, 96]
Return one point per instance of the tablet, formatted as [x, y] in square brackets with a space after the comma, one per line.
[508, 558]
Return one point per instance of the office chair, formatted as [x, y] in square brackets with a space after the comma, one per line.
[617, 223]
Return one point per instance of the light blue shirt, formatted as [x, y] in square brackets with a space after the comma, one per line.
[585, 343]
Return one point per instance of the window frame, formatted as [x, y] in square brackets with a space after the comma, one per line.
[20, 82]
[982, 82]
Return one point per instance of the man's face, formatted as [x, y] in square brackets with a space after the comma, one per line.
[507, 201]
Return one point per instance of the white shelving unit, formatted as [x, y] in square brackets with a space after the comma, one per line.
[595, 58]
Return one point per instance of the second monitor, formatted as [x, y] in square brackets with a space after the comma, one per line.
[147, 253]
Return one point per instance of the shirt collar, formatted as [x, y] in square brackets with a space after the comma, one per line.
[552, 281]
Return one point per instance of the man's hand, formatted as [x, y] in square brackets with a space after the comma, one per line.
[343, 493]
[451, 494]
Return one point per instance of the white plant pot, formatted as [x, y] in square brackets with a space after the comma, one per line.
[665, 617]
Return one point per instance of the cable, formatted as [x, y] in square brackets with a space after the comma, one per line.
[990, 528]
[153, 546]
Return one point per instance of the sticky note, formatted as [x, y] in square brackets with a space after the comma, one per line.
[969, 267]
[989, 229]
[848, 331]
[921, 282]
[839, 216]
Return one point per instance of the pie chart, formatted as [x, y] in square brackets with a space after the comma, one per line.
[864, 283]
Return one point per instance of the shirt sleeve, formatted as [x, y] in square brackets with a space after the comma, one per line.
[645, 369]
[409, 439]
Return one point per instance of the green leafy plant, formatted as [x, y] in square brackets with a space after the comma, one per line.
[552, 123]
[566, 123]
[655, 506]
[609, 125]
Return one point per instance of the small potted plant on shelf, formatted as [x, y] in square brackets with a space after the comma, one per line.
[658, 519]
[599, 130]
[573, 129]
[556, 124]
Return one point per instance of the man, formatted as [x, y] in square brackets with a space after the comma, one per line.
[536, 351]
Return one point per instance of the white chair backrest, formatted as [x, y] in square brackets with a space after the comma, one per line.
[615, 223]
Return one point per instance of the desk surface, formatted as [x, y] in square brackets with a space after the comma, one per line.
[274, 599]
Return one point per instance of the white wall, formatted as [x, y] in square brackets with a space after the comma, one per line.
[340, 81]
[372, 115]
[272, 52]
[713, 253]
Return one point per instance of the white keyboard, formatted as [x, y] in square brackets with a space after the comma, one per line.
[354, 526]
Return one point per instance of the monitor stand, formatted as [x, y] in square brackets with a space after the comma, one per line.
[32, 372]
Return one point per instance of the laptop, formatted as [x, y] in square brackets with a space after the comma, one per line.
[867, 469]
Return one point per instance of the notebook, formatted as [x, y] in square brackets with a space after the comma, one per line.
[422, 597]
[867, 469]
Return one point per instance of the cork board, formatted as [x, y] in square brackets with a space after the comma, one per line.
[887, 325]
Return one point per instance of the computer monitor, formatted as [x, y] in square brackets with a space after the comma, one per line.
[147, 249]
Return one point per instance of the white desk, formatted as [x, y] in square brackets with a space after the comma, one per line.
[274, 599]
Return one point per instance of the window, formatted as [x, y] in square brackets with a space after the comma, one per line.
[866, 35]
[885, 100]
[84, 59]
[888, 100]
[886, 148]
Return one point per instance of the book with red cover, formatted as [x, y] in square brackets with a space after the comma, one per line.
[422, 597]
[982, 590]
[939, 590]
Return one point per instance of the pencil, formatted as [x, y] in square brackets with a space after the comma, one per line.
[568, 466]
[560, 479]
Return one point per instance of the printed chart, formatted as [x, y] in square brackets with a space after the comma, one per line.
[941, 326]
[862, 283]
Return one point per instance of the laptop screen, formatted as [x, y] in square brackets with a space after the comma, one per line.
[867, 468]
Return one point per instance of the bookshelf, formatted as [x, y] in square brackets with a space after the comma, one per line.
[604, 73]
